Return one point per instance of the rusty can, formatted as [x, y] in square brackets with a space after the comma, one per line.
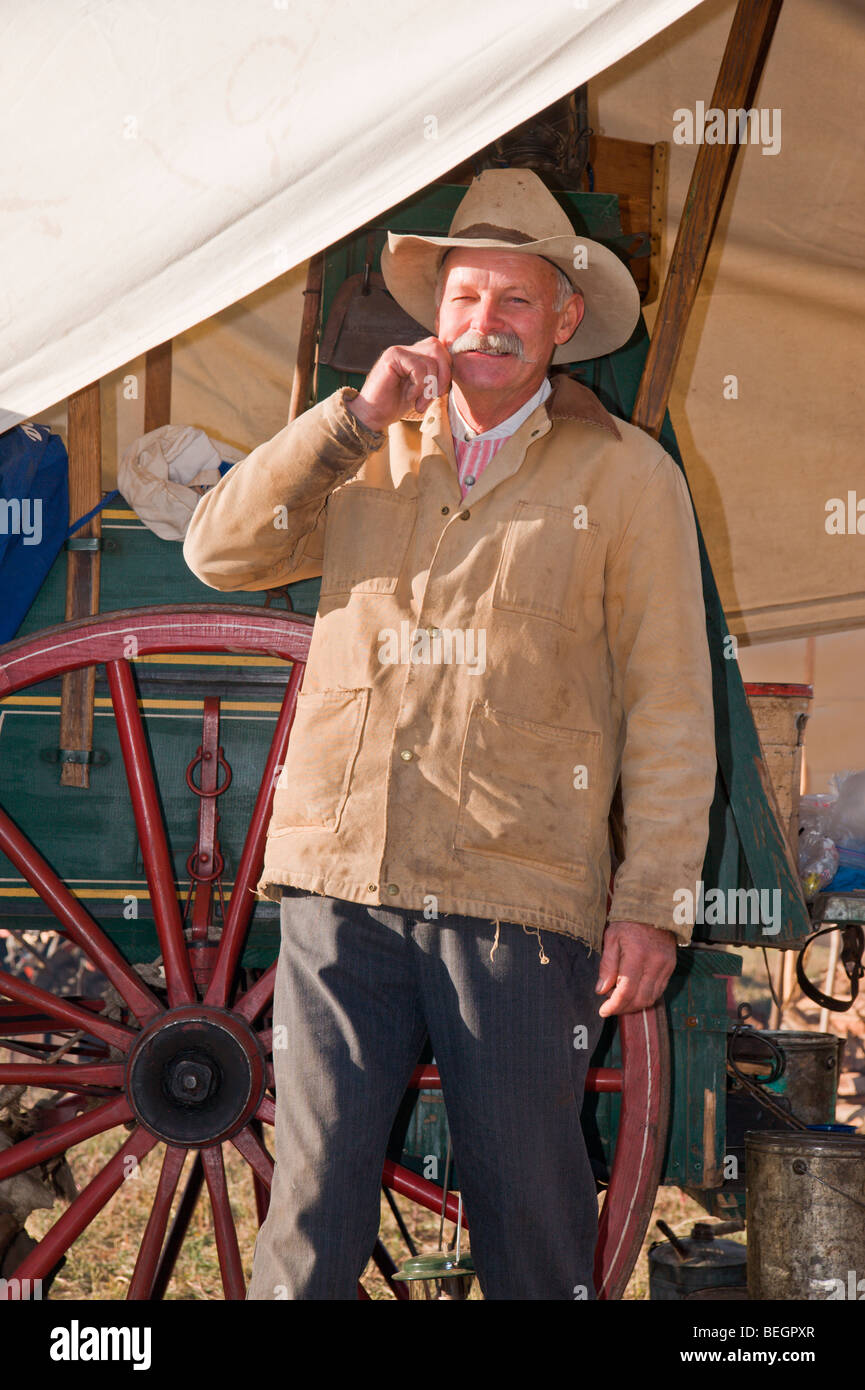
[805, 1195]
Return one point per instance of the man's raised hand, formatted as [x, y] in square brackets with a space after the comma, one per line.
[403, 379]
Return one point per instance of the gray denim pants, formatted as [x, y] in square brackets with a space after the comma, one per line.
[357, 990]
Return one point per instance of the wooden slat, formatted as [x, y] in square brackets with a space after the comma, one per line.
[157, 387]
[626, 168]
[738, 78]
[300, 386]
[84, 447]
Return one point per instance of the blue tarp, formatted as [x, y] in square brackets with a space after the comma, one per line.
[34, 516]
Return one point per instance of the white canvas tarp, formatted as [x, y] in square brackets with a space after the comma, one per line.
[162, 161]
[781, 308]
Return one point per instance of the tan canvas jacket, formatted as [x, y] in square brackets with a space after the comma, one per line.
[481, 672]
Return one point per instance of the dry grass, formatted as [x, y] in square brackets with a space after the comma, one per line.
[101, 1261]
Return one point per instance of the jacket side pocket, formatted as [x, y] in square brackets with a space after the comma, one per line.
[314, 783]
[528, 791]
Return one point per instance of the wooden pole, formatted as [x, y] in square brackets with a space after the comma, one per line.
[306, 343]
[84, 431]
[738, 78]
[157, 387]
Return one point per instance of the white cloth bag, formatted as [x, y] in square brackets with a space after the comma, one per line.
[164, 473]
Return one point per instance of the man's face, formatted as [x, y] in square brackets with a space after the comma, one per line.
[488, 292]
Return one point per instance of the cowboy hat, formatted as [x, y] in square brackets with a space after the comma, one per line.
[512, 210]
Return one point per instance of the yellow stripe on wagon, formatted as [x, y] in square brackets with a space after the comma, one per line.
[103, 702]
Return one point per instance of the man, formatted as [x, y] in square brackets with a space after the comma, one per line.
[510, 619]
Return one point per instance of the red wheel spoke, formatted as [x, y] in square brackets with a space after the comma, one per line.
[27, 1153]
[266, 1111]
[242, 896]
[230, 1267]
[61, 1011]
[425, 1078]
[179, 1227]
[250, 1004]
[144, 1275]
[420, 1190]
[604, 1080]
[83, 1209]
[151, 833]
[77, 922]
[61, 1076]
[248, 1143]
[261, 1189]
[16, 1022]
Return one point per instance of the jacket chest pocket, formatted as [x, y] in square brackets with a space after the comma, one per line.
[314, 783]
[544, 559]
[527, 791]
[366, 539]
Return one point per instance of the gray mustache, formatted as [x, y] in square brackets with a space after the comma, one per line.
[489, 342]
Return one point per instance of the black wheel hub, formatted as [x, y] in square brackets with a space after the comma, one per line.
[196, 1076]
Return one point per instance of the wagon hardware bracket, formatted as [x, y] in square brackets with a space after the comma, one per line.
[206, 863]
[93, 757]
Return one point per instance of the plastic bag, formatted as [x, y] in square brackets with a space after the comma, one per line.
[818, 862]
[845, 821]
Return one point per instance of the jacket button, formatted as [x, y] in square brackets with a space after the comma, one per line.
[372, 887]
[445, 511]
[464, 516]
[406, 755]
[434, 632]
[393, 888]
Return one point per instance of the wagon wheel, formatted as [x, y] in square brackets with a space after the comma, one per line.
[197, 1049]
[192, 1040]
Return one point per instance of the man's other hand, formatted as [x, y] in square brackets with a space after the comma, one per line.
[403, 379]
[638, 960]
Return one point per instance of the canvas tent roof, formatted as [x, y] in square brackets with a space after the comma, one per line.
[213, 148]
[168, 160]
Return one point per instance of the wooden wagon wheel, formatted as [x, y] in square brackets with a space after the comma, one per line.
[198, 1042]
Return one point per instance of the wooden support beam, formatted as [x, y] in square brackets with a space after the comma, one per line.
[84, 447]
[736, 87]
[303, 368]
[157, 387]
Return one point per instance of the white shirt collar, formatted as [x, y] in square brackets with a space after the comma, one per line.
[463, 432]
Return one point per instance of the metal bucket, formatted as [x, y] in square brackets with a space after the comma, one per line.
[807, 1087]
[809, 1081]
[805, 1214]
